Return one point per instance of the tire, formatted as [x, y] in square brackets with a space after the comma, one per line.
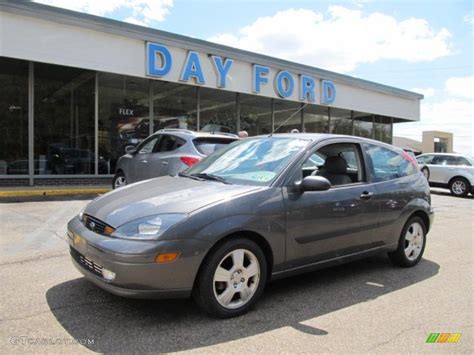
[119, 180]
[403, 256]
[238, 291]
[426, 173]
[459, 186]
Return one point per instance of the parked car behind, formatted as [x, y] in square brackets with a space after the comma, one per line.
[167, 152]
[261, 208]
[448, 170]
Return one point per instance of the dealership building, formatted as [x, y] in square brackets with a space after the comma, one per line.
[76, 89]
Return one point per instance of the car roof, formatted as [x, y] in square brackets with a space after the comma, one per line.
[448, 154]
[316, 137]
[188, 133]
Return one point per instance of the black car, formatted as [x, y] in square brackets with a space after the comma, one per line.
[258, 209]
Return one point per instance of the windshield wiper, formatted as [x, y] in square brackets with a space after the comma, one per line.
[190, 176]
[212, 177]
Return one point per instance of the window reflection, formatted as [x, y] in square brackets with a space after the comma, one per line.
[287, 116]
[218, 111]
[174, 106]
[123, 116]
[255, 114]
[64, 120]
[316, 119]
[13, 117]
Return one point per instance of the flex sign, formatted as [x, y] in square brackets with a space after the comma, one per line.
[191, 67]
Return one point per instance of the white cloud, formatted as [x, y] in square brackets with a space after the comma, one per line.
[454, 113]
[426, 92]
[461, 86]
[142, 12]
[469, 18]
[340, 40]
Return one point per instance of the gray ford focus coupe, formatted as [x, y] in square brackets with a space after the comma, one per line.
[261, 208]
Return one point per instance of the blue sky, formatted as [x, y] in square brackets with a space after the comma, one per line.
[426, 46]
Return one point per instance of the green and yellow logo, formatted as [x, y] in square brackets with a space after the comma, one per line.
[443, 338]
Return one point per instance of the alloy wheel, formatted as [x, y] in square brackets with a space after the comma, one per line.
[236, 278]
[120, 181]
[458, 187]
[414, 240]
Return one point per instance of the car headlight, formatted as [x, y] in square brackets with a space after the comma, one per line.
[148, 228]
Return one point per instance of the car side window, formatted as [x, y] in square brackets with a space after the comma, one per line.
[340, 163]
[459, 161]
[168, 143]
[386, 164]
[147, 146]
[441, 160]
[425, 159]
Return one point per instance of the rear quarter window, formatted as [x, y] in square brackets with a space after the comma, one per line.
[386, 164]
[209, 145]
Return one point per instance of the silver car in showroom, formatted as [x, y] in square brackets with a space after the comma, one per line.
[449, 170]
[259, 209]
[167, 152]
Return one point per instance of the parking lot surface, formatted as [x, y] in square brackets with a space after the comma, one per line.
[365, 306]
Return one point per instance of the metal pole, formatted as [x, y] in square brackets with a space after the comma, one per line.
[273, 114]
[237, 109]
[96, 124]
[302, 105]
[373, 126]
[31, 123]
[352, 123]
[198, 108]
[151, 107]
[329, 120]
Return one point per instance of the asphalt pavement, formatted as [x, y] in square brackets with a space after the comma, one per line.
[365, 306]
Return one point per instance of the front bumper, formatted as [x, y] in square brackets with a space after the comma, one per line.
[137, 275]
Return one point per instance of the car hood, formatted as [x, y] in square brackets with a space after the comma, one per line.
[166, 194]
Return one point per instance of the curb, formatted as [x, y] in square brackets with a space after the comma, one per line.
[52, 192]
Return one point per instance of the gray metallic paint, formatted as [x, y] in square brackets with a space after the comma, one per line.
[304, 230]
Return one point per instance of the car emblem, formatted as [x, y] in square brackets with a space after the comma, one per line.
[91, 225]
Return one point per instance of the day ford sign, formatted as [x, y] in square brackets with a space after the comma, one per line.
[175, 64]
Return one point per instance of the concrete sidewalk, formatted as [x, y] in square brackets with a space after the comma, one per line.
[36, 191]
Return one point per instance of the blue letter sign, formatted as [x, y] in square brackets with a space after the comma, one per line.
[307, 86]
[192, 68]
[222, 69]
[285, 84]
[154, 50]
[258, 78]
[329, 92]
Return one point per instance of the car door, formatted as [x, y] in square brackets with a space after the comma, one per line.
[439, 168]
[160, 161]
[139, 165]
[321, 225]
[397, 182]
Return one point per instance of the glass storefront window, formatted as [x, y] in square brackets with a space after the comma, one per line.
[218, 111]
[363, 126]
[315, 119]
[341, 122]
[13, 116]
[383, 129]
[124, 117]
[283, 111]
[64, 120]
[255, 114]
[174, 105]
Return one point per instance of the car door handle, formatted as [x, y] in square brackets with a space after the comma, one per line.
[144, 161]
[366, 195]
[164, 162]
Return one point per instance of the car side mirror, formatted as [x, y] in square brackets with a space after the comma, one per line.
[314, 183]
[130, 149]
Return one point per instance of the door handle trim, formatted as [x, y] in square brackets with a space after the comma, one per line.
[366, 195]
[144, 161]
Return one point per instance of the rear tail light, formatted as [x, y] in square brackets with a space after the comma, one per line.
[189, 161]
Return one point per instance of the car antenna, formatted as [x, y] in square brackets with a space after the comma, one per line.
[289, 118]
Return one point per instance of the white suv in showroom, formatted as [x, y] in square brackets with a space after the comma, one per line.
[449, 170]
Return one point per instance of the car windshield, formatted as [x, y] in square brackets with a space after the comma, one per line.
[253, 161]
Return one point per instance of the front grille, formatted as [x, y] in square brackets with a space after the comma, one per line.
[94, 224]
[86, 263]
